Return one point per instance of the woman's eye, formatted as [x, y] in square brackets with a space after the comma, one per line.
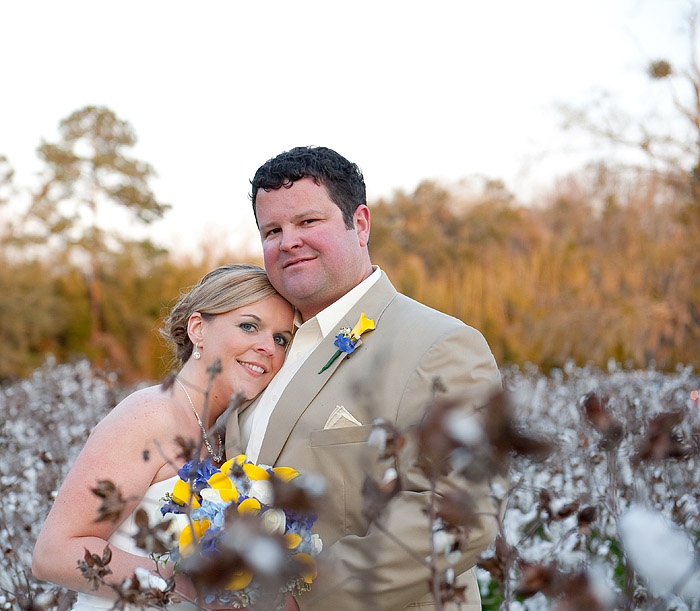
[281, 340]
[249, 327]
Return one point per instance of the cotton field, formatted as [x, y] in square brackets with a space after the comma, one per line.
[610, 519]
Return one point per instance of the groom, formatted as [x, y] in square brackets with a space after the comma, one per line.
[310, 208]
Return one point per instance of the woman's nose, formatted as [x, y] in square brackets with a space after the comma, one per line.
[266, 345]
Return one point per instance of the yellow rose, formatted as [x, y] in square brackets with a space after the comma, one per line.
[240, 580]
[308, 567]
[189, 534]
[364, 324]
[286, 474]
[249, 507]
[292, 540]
[225, 486]
[228, 465]
[182, 494]
[254, 472]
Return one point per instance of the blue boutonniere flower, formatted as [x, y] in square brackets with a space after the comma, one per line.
[347, 338]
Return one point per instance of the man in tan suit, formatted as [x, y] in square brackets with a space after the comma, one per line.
[310, 207]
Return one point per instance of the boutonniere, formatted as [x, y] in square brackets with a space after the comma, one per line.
[346, 339]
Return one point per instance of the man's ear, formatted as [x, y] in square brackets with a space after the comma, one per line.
[195, 327]
[361, 220]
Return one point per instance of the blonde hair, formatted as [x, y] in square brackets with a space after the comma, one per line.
[223, 289]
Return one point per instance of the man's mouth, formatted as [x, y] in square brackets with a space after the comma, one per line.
[293, 262]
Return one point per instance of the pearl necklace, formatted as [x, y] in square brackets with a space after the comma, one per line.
[216, 457]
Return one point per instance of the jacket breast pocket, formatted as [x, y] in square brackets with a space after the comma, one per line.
[345, 434]
[343, 457]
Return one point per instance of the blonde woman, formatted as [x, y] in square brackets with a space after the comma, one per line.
[233, 316]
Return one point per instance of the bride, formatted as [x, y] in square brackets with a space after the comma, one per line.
[232, 315]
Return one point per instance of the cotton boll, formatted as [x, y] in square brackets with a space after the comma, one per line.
[149, 580]
[314, 484]
[377, 439]
[600, 587]
[389, 476]
[463, 428]
[265, 556]
[498, 491]
[442, 541]
[660, 552]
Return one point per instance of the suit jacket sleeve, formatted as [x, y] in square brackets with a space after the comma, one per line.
[374, 571]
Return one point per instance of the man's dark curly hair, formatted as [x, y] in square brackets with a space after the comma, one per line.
[343, 179]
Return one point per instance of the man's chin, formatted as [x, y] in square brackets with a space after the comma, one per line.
[298, 286]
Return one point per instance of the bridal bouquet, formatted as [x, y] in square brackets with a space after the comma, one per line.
[234, 542]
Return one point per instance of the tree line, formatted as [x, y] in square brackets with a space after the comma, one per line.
[602, 268]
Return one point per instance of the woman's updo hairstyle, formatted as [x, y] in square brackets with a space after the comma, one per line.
[223, 289]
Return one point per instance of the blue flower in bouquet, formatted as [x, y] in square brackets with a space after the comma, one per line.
[203, 470]
[211, 511]
[206, 493]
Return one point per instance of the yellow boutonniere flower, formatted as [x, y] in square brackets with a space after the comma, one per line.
[347, 338]
[364, 324]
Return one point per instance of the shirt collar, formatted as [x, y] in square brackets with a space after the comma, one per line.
[328, 318]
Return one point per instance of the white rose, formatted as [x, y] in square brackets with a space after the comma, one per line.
[261, 489]
[212, 495]
[316, 545]
[274, 521]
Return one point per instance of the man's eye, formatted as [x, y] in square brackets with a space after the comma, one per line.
[271, 232]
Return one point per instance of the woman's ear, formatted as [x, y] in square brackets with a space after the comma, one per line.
[195, 327]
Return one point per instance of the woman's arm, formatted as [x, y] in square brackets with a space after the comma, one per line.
[114, 451]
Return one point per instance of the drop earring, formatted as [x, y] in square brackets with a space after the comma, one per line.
[196, 354]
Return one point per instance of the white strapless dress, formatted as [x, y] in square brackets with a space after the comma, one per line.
[122, 538]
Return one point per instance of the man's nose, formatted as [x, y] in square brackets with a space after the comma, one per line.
[290, 239]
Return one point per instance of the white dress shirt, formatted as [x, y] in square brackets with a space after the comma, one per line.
[308, 336]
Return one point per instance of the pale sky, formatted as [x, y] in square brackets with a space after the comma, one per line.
[408, 90]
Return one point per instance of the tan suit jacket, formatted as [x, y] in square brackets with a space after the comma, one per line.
[390, 375]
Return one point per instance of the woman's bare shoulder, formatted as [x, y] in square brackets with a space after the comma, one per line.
[141, 411]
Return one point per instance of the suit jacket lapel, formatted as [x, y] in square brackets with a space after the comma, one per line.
[230, 423]
[307, 382]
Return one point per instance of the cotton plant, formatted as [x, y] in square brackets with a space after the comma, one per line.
[554, 548]
[623, 439]
[46, 420]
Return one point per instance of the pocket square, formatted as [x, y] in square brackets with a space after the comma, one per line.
[339, 418]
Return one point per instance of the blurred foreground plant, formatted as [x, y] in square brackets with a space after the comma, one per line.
[561, 538]
[624, 466]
